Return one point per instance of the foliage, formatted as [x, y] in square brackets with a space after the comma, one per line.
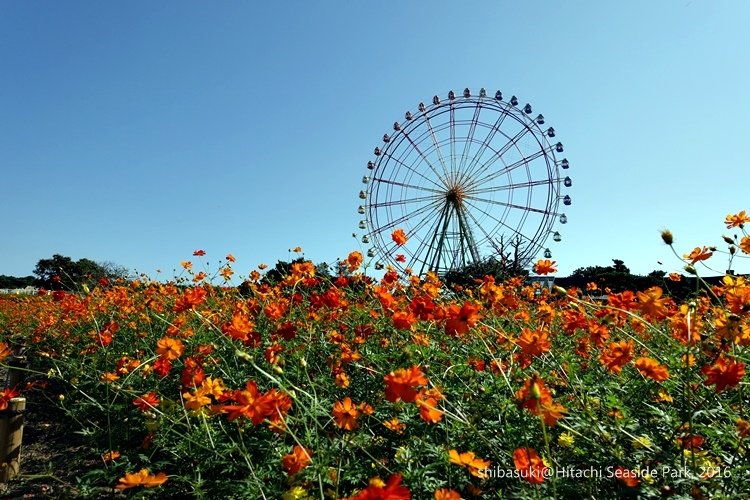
[309, 386]
[63, 273]
[16, 282]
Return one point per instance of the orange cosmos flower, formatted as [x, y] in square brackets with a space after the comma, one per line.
[353, 261]
[147, 401]
[196, 401]
[737, 220]
[545, 266]
[251, 404]
[403, 320]
[745, 244]
[530, 465]
[534, 343]
[226, 272]
[345, 414]
[460, 320]
[675, 277]
[724, 373]
[191, 298]
[199, 253]
[399, 237]
[652, 369]
[743, 427]
[394, 425]
[617, 355]
[428, 410]
[110, 456]
[698, 254]
[652, 304]
[402, 383]
[400, 258]
[169, 348]
[141, 478]
[5, 351]
[476, 466]
[239, 328]
[378, 490]
[230, 257]
[297, 460]
[446, 494]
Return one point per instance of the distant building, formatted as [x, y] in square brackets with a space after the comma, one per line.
[29, 290]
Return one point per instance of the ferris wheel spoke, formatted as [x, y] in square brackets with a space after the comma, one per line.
[500, 152]
[425, 158]
[411, 186]
[508, 168]
[435, 143]
[504, 204]
[452, 123]
[485, 144]
[416, 234]
[396, 222]
[407, 201]
[500, 222]
[487, 236]
[440, 188]
[469, 140]
[508, 187]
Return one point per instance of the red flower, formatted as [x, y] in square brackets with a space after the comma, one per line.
[6, 395]
[162, 367]
[530, 465]
[392, 490]
[627, 477]
[251, 404]
[199, 253]
[147, 401]
[724, 373]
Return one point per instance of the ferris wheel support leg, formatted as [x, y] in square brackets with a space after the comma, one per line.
[466, 234]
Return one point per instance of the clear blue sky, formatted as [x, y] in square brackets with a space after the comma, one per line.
[137, 132]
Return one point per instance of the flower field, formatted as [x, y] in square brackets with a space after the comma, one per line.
[395, 388]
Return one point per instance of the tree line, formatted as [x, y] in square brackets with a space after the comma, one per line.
[63, 273]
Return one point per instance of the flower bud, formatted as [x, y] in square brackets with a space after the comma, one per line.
[690, 269]
[728, 240]
[667, 237]
[536, 392]
[243, 356]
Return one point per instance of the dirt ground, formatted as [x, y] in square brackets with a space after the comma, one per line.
[51, 453]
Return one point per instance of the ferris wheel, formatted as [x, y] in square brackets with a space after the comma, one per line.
[465, 178]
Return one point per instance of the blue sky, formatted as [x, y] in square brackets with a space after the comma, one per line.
[138, 132]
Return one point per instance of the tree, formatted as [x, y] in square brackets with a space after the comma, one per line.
[15, 282]
[63, 273]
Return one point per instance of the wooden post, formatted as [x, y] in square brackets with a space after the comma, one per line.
[11, 435]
